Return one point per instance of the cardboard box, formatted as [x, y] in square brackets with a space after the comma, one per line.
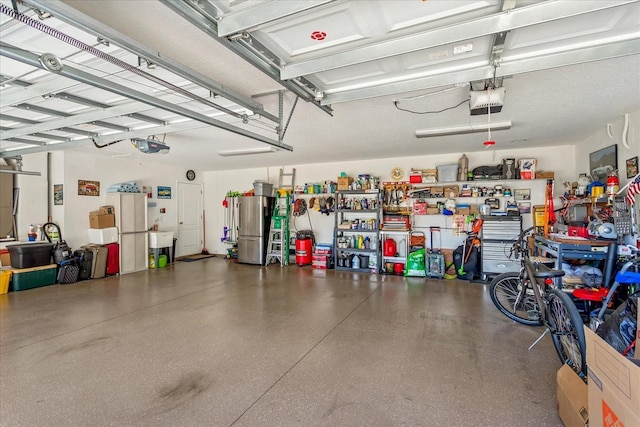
[344, 182]
[451, 191]
[107, 210]
[545, 175]
[100, 219]
[614, 385]
[573, 398]
[463, 210]
[5, 258]
[432, 211]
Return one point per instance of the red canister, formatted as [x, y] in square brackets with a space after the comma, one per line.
[398, 268]
[390, 247]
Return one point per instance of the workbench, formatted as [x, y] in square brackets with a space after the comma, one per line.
[566, 247]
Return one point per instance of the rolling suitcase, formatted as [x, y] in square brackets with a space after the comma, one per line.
[99, 266]
[113, 259]
[68, 271]
[435, 258]
[85, 262]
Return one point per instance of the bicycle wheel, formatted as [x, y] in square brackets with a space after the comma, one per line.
[567, 333]
[515, 299]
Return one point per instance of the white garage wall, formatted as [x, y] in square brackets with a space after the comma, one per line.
[67, 167]
[566, 161]
[601, 140]
[217, 184]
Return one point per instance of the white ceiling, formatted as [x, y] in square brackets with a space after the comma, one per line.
[568, 67]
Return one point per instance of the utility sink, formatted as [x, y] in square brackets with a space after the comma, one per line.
[160, 239]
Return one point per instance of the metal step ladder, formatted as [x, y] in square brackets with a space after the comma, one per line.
[278, 246]
[290, 184]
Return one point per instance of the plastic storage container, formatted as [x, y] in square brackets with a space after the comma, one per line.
[103, 236]
[30, 254]
[5, 277]
[261, 188]
[447, 173]
[35, 277]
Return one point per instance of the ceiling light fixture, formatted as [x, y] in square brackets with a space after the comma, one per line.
[247, 151]
[461, 130]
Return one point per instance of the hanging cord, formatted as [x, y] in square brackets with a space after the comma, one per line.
[106, 57]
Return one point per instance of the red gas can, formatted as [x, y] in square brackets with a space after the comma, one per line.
[389, 247]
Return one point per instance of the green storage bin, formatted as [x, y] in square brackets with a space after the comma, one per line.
[35, 277]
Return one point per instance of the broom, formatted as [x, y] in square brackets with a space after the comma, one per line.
[204, 236]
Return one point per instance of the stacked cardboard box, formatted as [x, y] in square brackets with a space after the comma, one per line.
[102, 218]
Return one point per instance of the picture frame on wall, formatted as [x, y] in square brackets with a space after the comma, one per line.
[632, 167]
[603, 162]
[521, 194]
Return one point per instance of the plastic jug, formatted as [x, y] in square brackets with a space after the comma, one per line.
[355, 262]
[390, 247]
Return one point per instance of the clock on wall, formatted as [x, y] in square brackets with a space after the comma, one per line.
[191, 175]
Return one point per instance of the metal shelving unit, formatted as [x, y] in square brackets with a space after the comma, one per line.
[361, 212]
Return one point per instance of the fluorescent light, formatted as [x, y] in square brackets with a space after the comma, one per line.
[459, 130]
[244, 152]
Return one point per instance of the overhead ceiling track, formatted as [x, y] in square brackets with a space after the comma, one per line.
[260, 58]
[73, 17]
[50, 63]
[12, 118]
[51, 112]
[77, 99]
[111, 59]
[105, 139]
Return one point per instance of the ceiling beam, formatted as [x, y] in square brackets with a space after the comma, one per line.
[81, 76]
[475, 72]
[537, 13]
[72, 16]
[262, 13]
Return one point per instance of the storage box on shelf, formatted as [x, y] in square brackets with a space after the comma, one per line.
[356, 234]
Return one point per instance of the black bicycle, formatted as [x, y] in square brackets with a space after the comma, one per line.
[531, 297]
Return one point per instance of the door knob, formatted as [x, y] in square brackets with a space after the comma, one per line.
[181, 222]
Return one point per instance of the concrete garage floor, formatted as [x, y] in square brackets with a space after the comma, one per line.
[213, 343]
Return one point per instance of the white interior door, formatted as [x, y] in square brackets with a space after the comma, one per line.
[189, 219]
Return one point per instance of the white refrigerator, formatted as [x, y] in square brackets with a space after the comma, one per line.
[131, 221]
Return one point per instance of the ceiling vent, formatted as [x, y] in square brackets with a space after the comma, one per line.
[483, 100]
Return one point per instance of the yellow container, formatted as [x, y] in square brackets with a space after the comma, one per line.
[596, 191]
[5, 278]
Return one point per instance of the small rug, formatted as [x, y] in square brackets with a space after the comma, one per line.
[196, 257]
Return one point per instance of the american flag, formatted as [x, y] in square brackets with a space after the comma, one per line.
[633, 190]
